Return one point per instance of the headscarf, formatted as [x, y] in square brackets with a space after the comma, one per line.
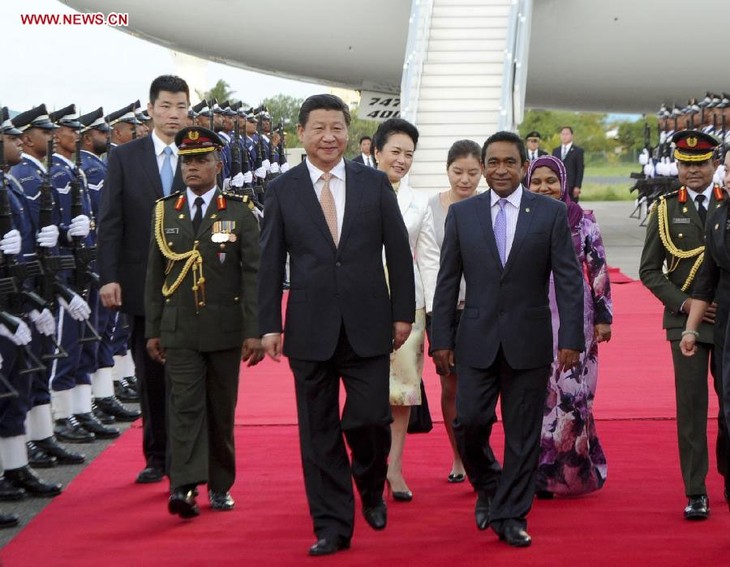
[575, 212]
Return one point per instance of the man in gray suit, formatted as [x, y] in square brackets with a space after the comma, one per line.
[505, 242]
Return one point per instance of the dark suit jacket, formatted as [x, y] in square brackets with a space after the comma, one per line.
[539, 153]
[131, 187]
[334, 286]
[573, 165]
[359, 159]
[508, 305]
[229, 268]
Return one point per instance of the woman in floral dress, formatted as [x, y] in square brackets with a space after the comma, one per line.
[572, 461]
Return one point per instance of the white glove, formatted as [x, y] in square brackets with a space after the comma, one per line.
[274, 167]
[43, 321]
[237, 180]
[266, 164]
[78, 308]
[261, 173]
[649, 170]
[673, 169]
[644, 157]
[48, 236]
[80, 226]
[285, 167]
[21, 336]
[10, 244]
[247, 177]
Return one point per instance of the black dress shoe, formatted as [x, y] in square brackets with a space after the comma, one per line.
[89, 422]
[328, 546]
[182, 502]
[65, 457]
[515, 536]
[9, 492]
[125, 391]
[69, 430]
[220, 500]
[112, 407]
[481, 512]
[455, 478]
[8, 521]
[102, 416]
[26, 478]
[698, 508]
[376, 516]
[150, 475]
[38, 458]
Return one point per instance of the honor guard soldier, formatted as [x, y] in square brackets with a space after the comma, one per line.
[20, 366]
[70, 377]
[123, 123]
[672, 254]
[143, 128]
[200, 301]
[113, 330]
[30, 179]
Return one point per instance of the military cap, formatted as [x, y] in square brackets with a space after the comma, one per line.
[191, 113]
[67, 116]
[6, 125]
[227, 109]
[533, 134]
[34, 118]
[140, 113]
[263, 112]
[250, 114]
[215, 107]
[197, 140]
[94, 121]
[202, 109]
[693, 146]
[125, 114]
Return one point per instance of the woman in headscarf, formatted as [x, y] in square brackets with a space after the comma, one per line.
[572, 461]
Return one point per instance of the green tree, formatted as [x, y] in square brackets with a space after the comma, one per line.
[284, 110]
[359, 128]
[632, 136]
[221, 92]
[589, 128]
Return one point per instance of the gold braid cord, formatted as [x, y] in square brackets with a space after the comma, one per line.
[679, 255]
[193, 260]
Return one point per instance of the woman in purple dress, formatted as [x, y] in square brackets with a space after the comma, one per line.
[572, 461]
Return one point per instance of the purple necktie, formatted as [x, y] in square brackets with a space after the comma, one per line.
[500, 231]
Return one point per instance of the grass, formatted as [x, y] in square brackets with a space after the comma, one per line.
[596, 191]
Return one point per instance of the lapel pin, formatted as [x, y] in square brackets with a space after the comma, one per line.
[181, 216]
[527, 209]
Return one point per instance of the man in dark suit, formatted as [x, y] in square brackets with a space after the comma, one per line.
[139, 173]
[201, 319]
[532, 141]
[572, 157]
[506, 242]
[333, 218]
[365, 156]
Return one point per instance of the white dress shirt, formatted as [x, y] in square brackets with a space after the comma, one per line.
[337, 187]
[707, 193]
[207, 198]
[511, 211]
[367, 160]
[160, 152]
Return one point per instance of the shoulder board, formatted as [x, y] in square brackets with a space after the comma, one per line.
[170, 196]
[670, 195]
[236, 197]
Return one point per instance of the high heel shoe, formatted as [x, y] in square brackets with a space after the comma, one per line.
[399, 495]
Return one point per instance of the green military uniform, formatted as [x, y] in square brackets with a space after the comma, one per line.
[200, 301]
[672, 254]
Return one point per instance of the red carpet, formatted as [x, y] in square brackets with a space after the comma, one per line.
[102, 518]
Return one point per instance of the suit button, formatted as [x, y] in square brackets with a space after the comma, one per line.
[338, 264]
[167, 300]
[680, 235]
[235, 299]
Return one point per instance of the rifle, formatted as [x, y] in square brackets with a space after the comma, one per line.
[282, 147]
[83, 255]
[11, 297]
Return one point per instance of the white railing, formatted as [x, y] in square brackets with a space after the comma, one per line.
[516, 53]
[419, 24]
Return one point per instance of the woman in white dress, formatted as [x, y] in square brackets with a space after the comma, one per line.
[395, 142]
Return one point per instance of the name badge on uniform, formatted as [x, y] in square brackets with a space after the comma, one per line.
[223, 232]
[172, 231]
[682, 220]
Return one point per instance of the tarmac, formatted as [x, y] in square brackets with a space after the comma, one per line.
[623, 238]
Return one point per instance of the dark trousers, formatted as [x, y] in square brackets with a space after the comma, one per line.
[366, 426]
[522, 395]
[13, 409]
[203, 390]
[152, 399]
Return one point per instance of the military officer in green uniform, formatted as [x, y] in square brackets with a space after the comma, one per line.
[200, 304]
[672, 254]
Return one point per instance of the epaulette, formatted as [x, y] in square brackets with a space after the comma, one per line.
[668, 195]
[170, 196]
[242, 198]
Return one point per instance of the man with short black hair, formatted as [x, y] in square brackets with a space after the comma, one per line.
[366, 155]
[573, 160]
[139, 173]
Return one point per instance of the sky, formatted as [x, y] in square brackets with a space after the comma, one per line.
[94, 66]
